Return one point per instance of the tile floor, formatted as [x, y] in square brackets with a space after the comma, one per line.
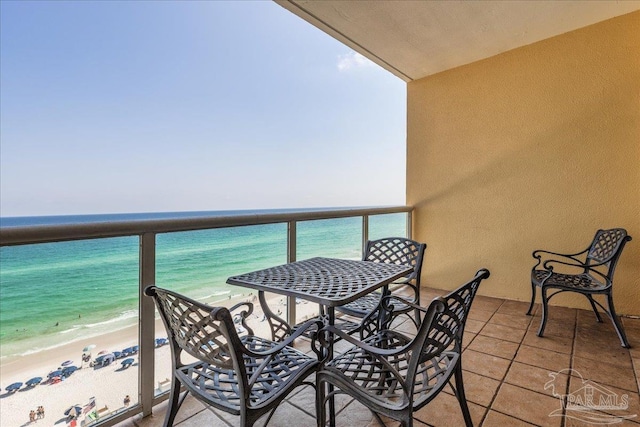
[510, 376]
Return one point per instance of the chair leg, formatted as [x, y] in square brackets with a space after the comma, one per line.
[462, 399]
[417, 316]
[616, 322]
[173, 404]
[595, 309]
[533, 298]
[545, 308]
[320, 396]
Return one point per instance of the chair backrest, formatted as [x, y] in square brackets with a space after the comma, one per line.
[606, 248]
[397, 250]
[448, 325]
[206, 333]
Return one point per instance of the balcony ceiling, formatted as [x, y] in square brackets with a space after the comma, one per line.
[414, 39]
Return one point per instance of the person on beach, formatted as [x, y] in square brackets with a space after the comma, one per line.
[127, 401]
[32, 416]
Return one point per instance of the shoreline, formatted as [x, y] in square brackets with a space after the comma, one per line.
[108, 384]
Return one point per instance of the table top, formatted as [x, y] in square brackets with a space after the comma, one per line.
[327, 281]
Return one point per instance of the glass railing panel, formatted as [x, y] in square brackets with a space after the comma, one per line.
[68, 311]
[333, 238]
[387, 225]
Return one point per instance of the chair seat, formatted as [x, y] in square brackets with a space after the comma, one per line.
[220, 387]
[580, 282]
[369, 302]
[380, 383]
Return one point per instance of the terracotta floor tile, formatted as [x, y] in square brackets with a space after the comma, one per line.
[542, 358]
[632, 326]
[496, 419]
[473, 326]
[625, 403]
[503, 332]
[477, 388]
[603, 421]
[494, 346]
[554, 327]
[487, 303]
[587, 319]
[534, 378]
[514, 308]
[485, 364]
[480, 315]
[550, 342]
[528, 405]
[519, 322]
[606, 374]
[355, 414]
[467, 339]
[601, 348]
[561, 313]
[444, 411]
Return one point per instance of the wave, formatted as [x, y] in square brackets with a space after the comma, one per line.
[129, 314]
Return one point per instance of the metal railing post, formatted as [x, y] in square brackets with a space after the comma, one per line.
[291, 257]
[365, 232]
[146, 379]
[409, 225]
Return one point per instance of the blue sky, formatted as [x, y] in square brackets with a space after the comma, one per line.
[110, 107]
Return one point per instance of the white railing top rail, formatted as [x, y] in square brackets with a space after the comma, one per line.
[12, 236]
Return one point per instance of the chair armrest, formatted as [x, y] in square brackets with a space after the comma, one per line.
[328, 330]
[538, 254]
[244, 315]
[282, 344]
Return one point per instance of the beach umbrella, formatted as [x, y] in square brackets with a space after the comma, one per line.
[69, 370]
[13, 387]
[67, 363]
[54, 374]
[74, 411]
[117, 354]
[127, 351]
[34, 381]
[127, 362]
[161, 342]
[89, 347]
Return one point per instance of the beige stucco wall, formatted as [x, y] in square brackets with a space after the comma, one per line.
[534, 148]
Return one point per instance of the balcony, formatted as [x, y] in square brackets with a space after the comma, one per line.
[534, 145]
[508, 368]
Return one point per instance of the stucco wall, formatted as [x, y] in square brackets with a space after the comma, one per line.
[534, 148]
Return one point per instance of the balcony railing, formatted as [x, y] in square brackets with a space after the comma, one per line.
[147, 230]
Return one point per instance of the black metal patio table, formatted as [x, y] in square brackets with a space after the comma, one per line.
[330, 282]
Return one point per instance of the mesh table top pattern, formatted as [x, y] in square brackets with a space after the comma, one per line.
[327, 281]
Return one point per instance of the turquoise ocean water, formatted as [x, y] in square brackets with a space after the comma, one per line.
[55, 293]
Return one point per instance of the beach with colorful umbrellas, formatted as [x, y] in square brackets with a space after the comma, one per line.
[71, 389]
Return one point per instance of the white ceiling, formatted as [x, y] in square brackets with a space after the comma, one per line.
[414, 39]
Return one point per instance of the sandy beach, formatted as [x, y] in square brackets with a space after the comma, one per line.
[109, 385]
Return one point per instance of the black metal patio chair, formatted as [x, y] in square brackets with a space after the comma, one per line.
[392, 250]
[394, 373]
[243, 375]
[595, 266]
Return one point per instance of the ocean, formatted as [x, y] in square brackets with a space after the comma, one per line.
[52, 294]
